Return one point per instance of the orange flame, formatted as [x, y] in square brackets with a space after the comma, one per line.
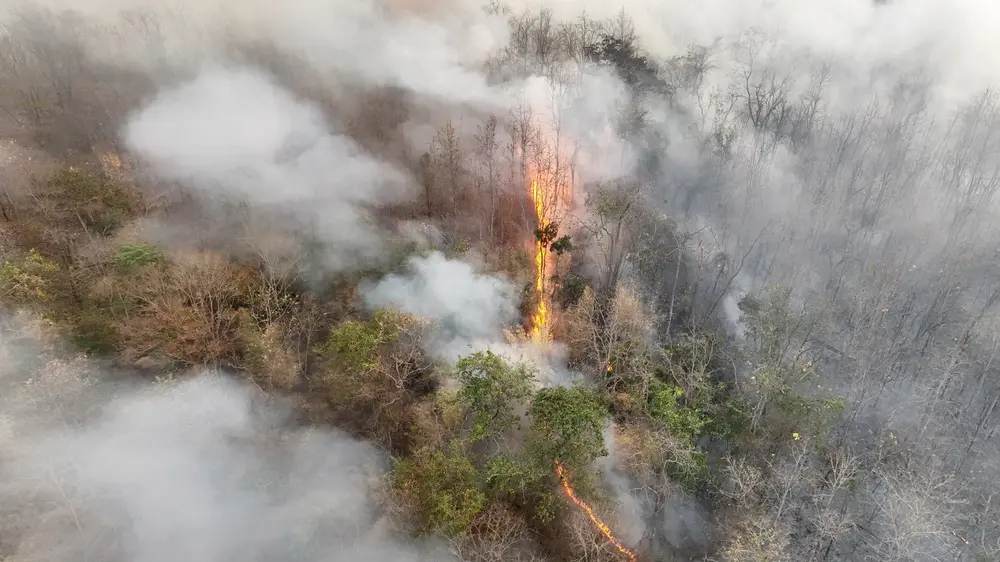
[601, 525]
[540, 320]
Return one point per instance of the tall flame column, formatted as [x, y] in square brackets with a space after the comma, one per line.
[540, 319]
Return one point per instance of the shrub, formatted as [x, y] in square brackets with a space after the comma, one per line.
[567, 424]
[650, 451]
[444, 488]
[693, 361]
[187, 312]
[610, 336]
[386, 344]
[95, 332]
[27, 279]
[374, 371]
[266, 357]
[524, 481]
[133, 256]
[685, 422]
[490, 387]
[570, 290]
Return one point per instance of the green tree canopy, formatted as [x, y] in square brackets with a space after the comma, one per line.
[567, 424]
[490, 388]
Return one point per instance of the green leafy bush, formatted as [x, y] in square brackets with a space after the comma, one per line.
[354, 345]
[570, 290]
[27, 279]
[685, 422]
[490, 388]
[691, 471]
[134, 256]
[444, 487]
[568, 425]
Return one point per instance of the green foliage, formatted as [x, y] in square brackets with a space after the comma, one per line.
[444, 487]
[782, 404]
[398, 254]
[133, 256]
[513, 475]
[567, 424]
[683, 402]
[570, 290]
[685, 422]
[693, 359]
[609, 202]
[548, 237]
[686, 418]
[461, 246]
[523, 481]
[354, 345]
[769, 323]
[529, 300]
[27, 278]
[730, 420]
[812, 416]
[448, 403]
[490, 387]
[692, 472]
[561, 245]
[773, 325]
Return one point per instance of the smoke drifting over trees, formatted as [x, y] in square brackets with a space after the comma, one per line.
[766, 233]
[198, 470]
[239, 133]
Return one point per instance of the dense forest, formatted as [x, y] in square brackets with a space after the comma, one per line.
[481, 282]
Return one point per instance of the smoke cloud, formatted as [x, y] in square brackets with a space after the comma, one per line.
[470, 309]
[236, 132]
[199, 470]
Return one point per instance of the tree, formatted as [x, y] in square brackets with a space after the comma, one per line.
[374, 370]
[614, 208]
[612, 341]
[567, 424]
[447, 172]
[490, 389]
[499, 534]
[445, 489]
[488, 181]
[184, 309]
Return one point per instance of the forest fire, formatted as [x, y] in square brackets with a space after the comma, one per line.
[540, 319]
[601, 525]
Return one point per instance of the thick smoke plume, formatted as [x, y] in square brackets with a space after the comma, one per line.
[236, 132]
[469, 309]
[201, 470]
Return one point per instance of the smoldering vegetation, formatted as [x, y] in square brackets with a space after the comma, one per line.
[781, 232]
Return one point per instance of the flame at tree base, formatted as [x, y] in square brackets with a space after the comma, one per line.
[540, 319]
[601, 525]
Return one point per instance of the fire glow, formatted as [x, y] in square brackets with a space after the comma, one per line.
[540, 319]
[601, 525]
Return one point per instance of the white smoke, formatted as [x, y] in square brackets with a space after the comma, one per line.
[470, 309]
[234, 131]
[201, 470]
